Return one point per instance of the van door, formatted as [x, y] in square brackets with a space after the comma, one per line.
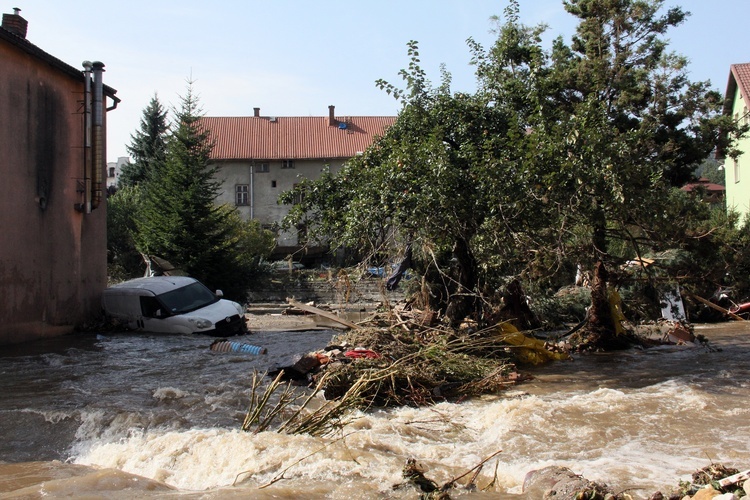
[154, 317]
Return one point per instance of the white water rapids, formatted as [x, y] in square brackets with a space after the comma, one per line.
[159, 417]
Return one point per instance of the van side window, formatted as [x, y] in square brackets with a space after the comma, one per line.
[149, 306]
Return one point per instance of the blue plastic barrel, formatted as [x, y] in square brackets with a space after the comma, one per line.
[226, 346]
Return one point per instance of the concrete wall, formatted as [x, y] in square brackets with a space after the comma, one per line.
[52, 257]
[267, 186]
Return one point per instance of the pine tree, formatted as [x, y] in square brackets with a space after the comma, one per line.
[148, 145]
[179, 220]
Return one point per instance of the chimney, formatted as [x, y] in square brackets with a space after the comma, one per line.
[15, 23]
[256, 112]
[332, 122]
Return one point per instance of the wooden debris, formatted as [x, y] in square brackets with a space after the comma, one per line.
[320, 312]
[734, 479]
[716, 307]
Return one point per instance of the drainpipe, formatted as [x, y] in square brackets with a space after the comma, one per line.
[98, 166]
[252, 191]
[85, 205]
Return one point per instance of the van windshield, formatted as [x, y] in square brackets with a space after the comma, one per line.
[188, 298]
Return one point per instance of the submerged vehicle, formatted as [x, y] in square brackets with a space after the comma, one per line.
[173, 304]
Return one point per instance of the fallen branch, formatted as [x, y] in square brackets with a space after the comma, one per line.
[476, 468]
[716, 307]
[280, 476]
[320, 312]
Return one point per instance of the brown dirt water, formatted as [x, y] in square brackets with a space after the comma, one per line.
[148, 416]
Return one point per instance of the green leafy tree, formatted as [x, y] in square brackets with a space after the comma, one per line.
[148, 145]
[123, 260]
[627, 125]
[179, 220]
[441, 179]
[560, 157]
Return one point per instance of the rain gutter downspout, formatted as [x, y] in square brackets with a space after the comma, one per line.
[85, 205]
[98, 165]
[252, 191]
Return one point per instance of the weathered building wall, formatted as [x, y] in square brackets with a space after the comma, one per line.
[52, 256]
[265, 185]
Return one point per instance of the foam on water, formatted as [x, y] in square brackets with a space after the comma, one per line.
[604, 434]
[637, 437]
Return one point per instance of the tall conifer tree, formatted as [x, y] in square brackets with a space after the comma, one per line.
[179, 220]
[148, 145]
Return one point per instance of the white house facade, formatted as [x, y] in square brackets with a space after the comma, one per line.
[114, 168]
[737, 171]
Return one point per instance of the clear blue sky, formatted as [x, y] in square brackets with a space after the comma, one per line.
[297, 57]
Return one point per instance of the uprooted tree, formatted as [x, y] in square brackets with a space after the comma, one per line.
[625, 127]
[560, 157]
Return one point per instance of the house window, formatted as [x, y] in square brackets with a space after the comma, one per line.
[273, 184]
[287, 163]
[744, 115]
[261, 167]
[736, 171]
[298, 197]
[242, 194]
[111, 171]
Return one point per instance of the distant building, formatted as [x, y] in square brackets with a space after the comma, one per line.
[114, 169]
[53, 262]
[708, 191]
[737, 171]
[259, 157]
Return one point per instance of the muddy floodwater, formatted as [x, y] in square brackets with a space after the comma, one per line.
[158, 416]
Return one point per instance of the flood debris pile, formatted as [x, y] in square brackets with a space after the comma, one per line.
[414, 474]
[716, 482]
[386, 363]
[418, 368]
[411, 360]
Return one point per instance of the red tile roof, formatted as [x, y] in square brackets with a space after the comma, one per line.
[739, 79]
[705, 184]
[290, 137]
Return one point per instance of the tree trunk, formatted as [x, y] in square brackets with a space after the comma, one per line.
[461, 301]
[600, 315]
[518, 308]
[600, 330]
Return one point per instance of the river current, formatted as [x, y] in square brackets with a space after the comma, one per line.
[158, 416]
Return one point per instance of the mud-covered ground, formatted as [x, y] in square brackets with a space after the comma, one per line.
[272, 322]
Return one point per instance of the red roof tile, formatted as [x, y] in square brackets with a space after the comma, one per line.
[705, 184]
[739, 79]
[288, 137]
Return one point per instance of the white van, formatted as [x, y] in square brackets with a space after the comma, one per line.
[173, 304]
